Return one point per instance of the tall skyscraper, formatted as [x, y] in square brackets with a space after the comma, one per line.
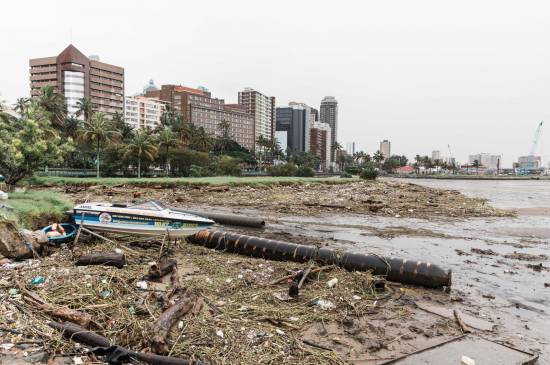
[329, 115]
[76, 76]
[262, 108]
[309, 119]
[291, 127]
[385, 148]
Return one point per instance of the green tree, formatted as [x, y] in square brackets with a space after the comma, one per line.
[97, 132]
[141, 147]
[53, 103]
[167, 139]
[70, 127]
[126, 131]
[223, 142]
[200, 140]
[84, 108]
[378, 157]
[21, 105]
[29, 143]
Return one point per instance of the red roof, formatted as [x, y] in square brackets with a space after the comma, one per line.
[405, 169]
[189, 90]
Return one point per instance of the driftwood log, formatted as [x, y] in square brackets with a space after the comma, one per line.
[161, 328]
[102, 258]
[67, 314]
[81, 335]
[158, 270]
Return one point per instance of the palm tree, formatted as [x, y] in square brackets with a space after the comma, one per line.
[21, 105]
[54, 103]
[167, 139]
[224, 141]
[200, 140]
[98, 131]
[70, 127]
[141, 146]
[378, 157]
[84, 106]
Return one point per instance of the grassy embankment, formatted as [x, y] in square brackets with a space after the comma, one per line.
[186, 181]
[36, 209]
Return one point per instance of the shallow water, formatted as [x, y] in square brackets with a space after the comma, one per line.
[476, 278]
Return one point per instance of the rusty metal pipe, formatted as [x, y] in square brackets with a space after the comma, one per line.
[395, 269]
[81, 335]
[228, 219]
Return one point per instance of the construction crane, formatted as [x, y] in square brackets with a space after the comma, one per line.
[531, 157]
[536, 139]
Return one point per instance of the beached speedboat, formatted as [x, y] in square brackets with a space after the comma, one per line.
[150, 218]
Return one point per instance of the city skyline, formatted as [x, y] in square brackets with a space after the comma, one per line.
[478, 83]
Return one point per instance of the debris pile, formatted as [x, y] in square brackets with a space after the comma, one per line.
[382, 198]
[197, 305]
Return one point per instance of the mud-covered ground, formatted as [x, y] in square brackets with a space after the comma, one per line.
[499, 262]
[380, 198]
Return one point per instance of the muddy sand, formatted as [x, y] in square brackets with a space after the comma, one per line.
[244, 319]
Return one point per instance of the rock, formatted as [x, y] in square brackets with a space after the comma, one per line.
[13, 245]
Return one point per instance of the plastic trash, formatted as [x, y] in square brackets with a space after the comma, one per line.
[142, 285]
[467, 361]
[37, 280]
[219, 333]
[332, 283]
[3, 195]
[105, 294]
[324, 304]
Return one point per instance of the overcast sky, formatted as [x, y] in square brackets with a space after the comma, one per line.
[423, 74]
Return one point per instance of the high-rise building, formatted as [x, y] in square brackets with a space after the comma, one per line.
[201, 109]
[76, 76]
[329, 114]
[320, 143]
[529, 162]
[436, 155]
[262, 108]
[309, 119]
[350, 148]
[486, 160]
[143, 112]
[290, 127]
[385, 148]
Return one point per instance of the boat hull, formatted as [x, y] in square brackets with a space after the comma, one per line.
[137, 225]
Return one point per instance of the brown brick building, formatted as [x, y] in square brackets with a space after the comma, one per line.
[319, 143]
[77, 76]
[201, 109]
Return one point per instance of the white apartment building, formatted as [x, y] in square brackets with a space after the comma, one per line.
[143, 112]
[262, 107]
[385, 148]
[486, 160]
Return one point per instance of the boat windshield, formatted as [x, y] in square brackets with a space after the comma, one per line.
[150, 205]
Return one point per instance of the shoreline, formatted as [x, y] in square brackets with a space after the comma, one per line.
[470, 177]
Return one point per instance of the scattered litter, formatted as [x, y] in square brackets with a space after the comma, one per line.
[105, 294]
[142, 285]
[7, 346]
[324, 304]
[37, 280]
[332, 283]
[467, 361]
[77, 360]
[280, 332]
[219, 333]
[13, 291]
